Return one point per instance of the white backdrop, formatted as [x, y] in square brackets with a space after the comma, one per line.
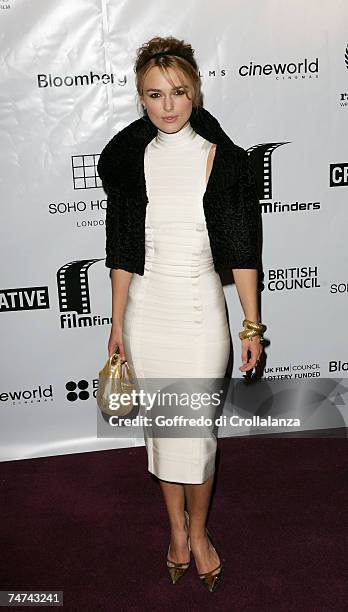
[277, 80]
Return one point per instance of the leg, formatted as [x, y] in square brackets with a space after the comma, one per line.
[174, 497]
[198, 497]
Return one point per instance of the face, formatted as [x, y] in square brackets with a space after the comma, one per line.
[169, 109]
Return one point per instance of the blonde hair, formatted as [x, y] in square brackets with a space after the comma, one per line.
[181, 58]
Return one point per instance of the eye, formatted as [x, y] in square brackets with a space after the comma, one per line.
[180, 91]
[154, 94]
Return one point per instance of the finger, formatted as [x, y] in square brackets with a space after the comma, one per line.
[244, 355]
[257, 359]
[122, 353]
[111, 350]
[245, 367]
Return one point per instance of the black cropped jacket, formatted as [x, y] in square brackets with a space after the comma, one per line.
[230, 202]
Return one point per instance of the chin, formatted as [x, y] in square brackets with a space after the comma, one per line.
[175, 126]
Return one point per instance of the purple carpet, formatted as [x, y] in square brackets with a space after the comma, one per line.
[94, 526]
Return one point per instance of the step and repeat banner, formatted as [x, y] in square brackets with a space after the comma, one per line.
[277, 80]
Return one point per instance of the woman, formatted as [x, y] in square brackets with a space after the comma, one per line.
[171, 177]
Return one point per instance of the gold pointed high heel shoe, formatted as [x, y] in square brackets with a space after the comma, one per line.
[177, 570]
[211, 579]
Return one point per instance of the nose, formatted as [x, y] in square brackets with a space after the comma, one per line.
[168, 104]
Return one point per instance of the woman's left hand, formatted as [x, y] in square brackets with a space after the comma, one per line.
[255, 347]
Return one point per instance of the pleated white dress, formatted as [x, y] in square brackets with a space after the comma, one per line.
[175, 322]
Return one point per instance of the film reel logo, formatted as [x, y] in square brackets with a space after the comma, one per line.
[261, 161]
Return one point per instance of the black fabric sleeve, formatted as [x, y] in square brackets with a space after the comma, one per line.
[247, 218]
[107, 172]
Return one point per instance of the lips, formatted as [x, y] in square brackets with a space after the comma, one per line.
[170, 118]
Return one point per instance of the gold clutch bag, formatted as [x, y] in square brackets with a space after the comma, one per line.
[116, 377]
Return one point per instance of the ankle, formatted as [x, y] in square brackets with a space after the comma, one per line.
[198, 536]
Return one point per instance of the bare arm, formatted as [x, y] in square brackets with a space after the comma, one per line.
[246, 283]
[120, 280]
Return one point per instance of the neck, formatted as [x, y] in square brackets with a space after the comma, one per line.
[183, 135]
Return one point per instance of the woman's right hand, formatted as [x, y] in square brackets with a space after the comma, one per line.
[116, 340]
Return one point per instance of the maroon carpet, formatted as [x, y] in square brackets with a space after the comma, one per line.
[94, 526]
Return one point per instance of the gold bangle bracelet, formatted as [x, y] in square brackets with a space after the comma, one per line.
[260, 327]
[249, 334]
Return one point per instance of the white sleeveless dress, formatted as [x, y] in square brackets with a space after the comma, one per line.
[175, 322]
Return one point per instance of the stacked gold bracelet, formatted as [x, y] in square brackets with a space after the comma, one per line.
[251, 329]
